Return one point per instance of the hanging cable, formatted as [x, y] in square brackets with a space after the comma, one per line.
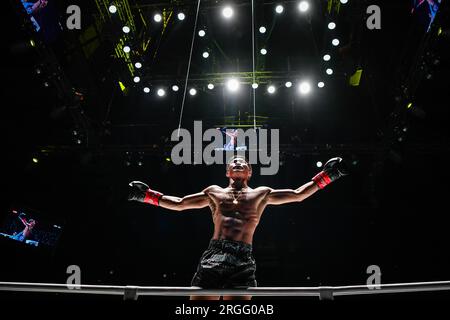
[253, 65]
[189, 67]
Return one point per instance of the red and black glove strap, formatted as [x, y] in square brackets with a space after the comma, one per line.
[322, 179]
[152, 197]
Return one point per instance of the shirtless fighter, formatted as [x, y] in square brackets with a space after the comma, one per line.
[236, 211]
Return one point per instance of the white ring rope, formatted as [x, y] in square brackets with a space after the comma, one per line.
[321, 292]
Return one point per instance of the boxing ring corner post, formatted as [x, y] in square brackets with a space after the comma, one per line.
[133, 292]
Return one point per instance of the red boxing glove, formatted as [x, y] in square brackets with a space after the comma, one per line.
[152, 197]
[334, 169]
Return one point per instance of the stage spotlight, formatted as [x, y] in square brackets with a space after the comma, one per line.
[329, 71]
[233, 85]
[288, 84]
[227, 12]
[262, 29]
[326, 57]
[331, 25]
[304, 88]
[344, 1]
[201, 33]
[138, 65]
[126, 29]
[157, 17]
[181, 16]
[303, 6]
[319, 164]
[146, 89]
[263, 51]
[126, 49]
[161, 92]
[255, 86]
[279, 9]
[112, 8]
[136, 79]
[205, 54]
[335, 42]
[271, 89]
[210, 86]
[321, 84]
[193, 92]
[175, 88]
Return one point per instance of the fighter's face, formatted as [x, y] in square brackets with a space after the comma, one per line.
[238, 168]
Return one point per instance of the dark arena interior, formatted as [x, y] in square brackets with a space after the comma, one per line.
[95, 92]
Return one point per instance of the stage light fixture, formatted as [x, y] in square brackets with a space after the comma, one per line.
[227, 12]
[304, 87]
[303, 6]
[233, 85]
[161, 92]
[157, 17]
[279, 9]
[112, 8]
[271, 89]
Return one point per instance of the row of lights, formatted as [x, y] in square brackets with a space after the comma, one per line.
[335, 42]
[228, 13]
[233, 85]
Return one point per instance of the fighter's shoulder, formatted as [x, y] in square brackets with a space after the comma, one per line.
[263, 189]
[213, 187]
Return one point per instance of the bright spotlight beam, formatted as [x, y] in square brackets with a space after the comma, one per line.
[303, 6]
[227, 12]
[304, 88]
[233, 85]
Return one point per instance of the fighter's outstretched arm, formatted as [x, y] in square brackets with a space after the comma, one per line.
[333, 170]
[141, 192]
[22, 218]
[282, 196]
[192, 201]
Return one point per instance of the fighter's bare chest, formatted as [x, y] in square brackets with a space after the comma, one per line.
[236, 201]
